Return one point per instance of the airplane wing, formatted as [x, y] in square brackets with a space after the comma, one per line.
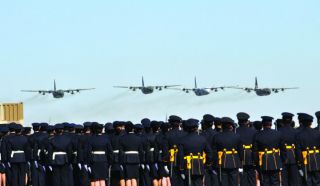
[131, 87]
[283, 89]
[164, 86]
[248, 89]
[187, 90]
[38, 91]
[217, 88]
[72, 91]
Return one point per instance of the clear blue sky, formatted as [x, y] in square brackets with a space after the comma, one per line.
[104, 43]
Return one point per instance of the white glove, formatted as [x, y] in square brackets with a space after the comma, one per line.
[148, 167]
[9, 165]
[281, 169]
[36, 164]
[214, 172]
[121, 167]
[156, 165]
[44, 168]
[183, 176]
[86, 167]
[301, 173]
[142, 166]
[50, 168]
[166, 169]
[79, 165]
[241, 170]
[89, 169]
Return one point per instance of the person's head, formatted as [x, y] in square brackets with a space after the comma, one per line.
[165, 127]
[138, 128]
[26, 131]
[59, 128]
[155, 125]
[174, 121]
[266, 121]
[97, 128]
[79, 129]
[3, 130]
[50, 130]
[146, 123]
[227, 124]
[207, 122]
[306, 120]
[119, 126]
[129, 127]
[192, 125]
[108, 128]
[36, 127]
[287, 118]
[18, 128]
[217, 124]
[87, 127]
[257, 125]
[43, 127]
[243, 119]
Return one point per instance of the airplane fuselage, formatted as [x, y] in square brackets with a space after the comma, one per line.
[263, 92]
[58, 94]
[201, 92]
[147, 90]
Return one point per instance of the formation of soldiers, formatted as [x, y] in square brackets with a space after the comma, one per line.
[154, 153]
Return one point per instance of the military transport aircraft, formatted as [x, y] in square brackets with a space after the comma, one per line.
[201, 91]
[147, 89]
[57, 93]
[263, 91]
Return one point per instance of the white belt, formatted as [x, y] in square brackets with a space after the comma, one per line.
[16, 152]
[98, 152]
[75, 153]
[58, 153]
[151, 149]
[116, 151]
[131, 152]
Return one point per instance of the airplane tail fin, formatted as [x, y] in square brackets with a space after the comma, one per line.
[256, 83]
[54, 85]
[142, 82]
[195, 82]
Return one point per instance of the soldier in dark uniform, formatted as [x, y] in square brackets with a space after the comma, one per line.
[151, 159]
[131, 155]
[173, 138]
[60, 154]
[163, 155]
[211, 177]
[190, 154]
[139, 131]
[226, 148]
[34, 163]
[300, 128]
[290, 173]
[38, 154]
[147, 134]
[3, 132]
[266, 150]
[100, 155]
[45, 142]
[247, 134]
[307, 151]
[18, 154]
[117, 177]
[82, 154]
